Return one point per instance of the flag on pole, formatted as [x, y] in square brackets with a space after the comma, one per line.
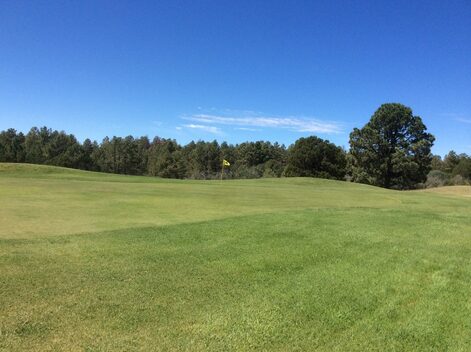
[224, 163]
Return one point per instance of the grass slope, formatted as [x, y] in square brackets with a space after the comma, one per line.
[100, 262]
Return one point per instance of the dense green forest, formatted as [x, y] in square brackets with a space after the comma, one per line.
[392, 151]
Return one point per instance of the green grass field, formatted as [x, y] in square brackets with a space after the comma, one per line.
[98, 262]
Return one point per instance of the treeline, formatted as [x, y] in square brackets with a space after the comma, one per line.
[453, 169]
[393, 150]
[167, 158]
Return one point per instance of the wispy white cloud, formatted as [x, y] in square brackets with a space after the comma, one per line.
[458, 117]
[246, 129]
[291, 123]
[205, 128]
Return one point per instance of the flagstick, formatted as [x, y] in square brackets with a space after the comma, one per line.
[222, 170]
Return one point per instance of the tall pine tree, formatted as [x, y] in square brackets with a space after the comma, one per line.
[392, 150]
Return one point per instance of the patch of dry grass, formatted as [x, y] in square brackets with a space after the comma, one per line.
[462, 191]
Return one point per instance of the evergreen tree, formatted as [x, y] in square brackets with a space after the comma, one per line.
[12, 146]
[315, 157]
[392, 150]
[164, 159]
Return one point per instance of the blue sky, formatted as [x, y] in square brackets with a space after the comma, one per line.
[234, 70]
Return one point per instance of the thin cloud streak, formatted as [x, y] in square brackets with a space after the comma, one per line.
[246, 129]
[463, 120]
[210, 129]
[291, 123]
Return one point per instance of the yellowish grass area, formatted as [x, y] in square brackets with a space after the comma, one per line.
[463, 191]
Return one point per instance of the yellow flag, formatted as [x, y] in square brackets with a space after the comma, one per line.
[226, 163]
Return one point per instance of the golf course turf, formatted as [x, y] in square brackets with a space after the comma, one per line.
[101, 262]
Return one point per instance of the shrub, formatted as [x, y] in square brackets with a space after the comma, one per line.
[437, 178]
[459, 180]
